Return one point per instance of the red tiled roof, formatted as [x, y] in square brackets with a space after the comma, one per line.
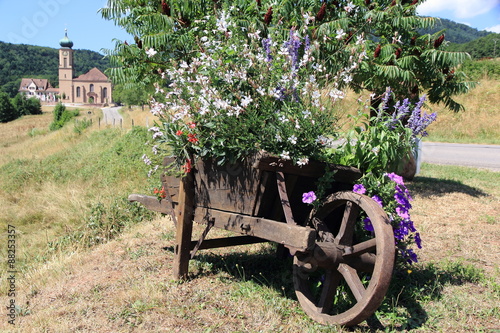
[41, 84]
[93, 75]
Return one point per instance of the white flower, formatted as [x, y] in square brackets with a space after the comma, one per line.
[293, 139]
[303, 161]
[285, 155]
[151, 52]
[246, 100]
[146, 160]
[340, 34]
[278, 138]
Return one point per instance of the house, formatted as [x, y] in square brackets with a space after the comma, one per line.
[38, 88]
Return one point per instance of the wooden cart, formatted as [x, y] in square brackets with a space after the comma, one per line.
[341, 272]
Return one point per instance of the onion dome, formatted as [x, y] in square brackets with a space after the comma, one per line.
[65, 41]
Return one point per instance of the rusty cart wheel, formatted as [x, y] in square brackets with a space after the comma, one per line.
[344, 279]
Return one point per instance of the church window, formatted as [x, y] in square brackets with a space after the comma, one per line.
[65, 62]
[105, 92]
[91, 88]
[77, 91]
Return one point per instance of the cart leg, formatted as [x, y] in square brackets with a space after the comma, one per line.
[184, 227]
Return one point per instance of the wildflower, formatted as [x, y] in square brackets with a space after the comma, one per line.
[151, 52]
[192, 138]
[285, 155]
[293, 139]
[303, 161]
[359, 188]
[340, 34]
[179, 132]
[367, 224]
[309, 197]
[146, 160]
[378, 200]
[395, 178]
[187, 167]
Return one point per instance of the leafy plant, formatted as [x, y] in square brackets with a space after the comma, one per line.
[62, 116]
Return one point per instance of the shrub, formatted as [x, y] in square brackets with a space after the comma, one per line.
[62, 116]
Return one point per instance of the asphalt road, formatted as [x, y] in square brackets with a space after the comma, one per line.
[111, 115]
[470, 155]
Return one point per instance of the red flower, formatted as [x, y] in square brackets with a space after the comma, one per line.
[179, 132]
[187, 166]
[192, 138]
[192, 125]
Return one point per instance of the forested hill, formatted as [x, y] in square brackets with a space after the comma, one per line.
[455, 32]
[20, 60]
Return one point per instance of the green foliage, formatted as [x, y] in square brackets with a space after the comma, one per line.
[456, 33]
[62, 116]
[115, 157]
[8, 112]
[27, 106]
[480, 69]
[103, 223]
[81, 125]
[19, 61]
[410, 63]
[131, 94]
[484, 47]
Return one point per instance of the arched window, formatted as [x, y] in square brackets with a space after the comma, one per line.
[77, 91]
[91, 88]
[105, 93]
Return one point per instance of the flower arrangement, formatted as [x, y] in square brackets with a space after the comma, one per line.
[243, 92]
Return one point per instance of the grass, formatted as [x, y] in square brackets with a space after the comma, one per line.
[88, 262]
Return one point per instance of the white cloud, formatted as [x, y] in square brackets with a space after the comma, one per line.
[459, 8]
[495, 28]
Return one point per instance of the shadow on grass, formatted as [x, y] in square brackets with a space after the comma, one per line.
[427, 186]
[401, 310]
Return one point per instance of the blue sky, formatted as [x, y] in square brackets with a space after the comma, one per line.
[42, 22]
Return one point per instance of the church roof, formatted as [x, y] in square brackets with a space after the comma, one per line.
[65, 41]
[93, 75]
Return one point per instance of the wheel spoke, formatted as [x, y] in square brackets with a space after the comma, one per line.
[353, 281]
[344, 237]
[332, 280]
[358, 249]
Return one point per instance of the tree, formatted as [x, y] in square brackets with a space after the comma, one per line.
[7, 111]
[26, 106]
[131, 94]
[395, 54]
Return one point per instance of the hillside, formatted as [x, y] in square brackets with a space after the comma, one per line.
[21, 60]
[455, 32]
[484, 47]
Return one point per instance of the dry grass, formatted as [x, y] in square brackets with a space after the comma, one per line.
[479, 123]
[126, 286]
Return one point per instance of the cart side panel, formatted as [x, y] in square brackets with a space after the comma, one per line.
[233, 188]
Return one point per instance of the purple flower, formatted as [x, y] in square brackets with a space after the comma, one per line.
[418, 240]
[266, 43]
[418, 122]
[368, 224]
[402, 212]
[378, 200]
[359, 188]
[395, 178]
[293, 45]
[308, 197]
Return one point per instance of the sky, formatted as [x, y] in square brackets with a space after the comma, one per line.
[43, 22]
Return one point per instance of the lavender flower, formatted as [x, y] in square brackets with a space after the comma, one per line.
[418, 122]
[266, 43]
[359, 188]
[308, 197]
[293, 45]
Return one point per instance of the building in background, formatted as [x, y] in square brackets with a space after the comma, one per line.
[93, 87]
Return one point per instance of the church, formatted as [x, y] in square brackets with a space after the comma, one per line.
[93, 87]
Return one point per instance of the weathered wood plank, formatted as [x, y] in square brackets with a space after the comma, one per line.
[184, 227]
[292, 236]
[227, 241]
[151, 203]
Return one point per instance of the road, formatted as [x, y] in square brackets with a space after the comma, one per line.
[111, 115]
[471, 155]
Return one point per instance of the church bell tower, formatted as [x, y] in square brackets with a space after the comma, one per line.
[66, 69]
